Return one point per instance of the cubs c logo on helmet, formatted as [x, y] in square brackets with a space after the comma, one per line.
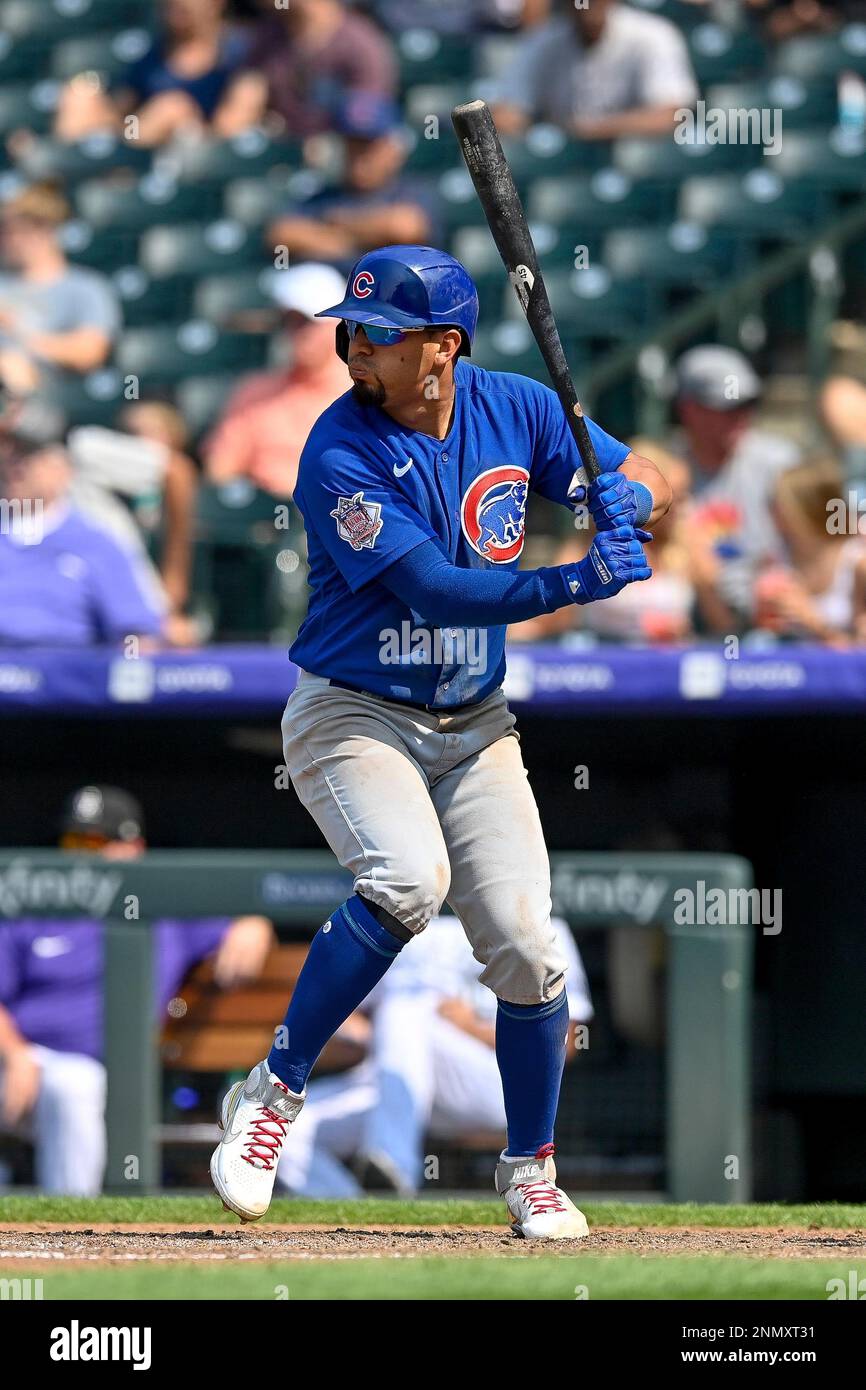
[493, 513]
[362, 285]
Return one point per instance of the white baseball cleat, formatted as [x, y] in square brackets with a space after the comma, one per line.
[539, 1209]
[254, 1118]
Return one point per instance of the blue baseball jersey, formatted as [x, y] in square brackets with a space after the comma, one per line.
[370, 490]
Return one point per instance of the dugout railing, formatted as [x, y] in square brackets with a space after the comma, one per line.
[708, 991]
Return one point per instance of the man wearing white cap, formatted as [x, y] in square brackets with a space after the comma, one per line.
[266, 422]
[735, 463]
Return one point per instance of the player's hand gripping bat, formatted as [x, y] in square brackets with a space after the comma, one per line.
[494, 184]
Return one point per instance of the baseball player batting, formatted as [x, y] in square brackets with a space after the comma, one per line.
[398, 738]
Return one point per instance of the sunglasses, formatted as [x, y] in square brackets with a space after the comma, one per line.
[380, 337]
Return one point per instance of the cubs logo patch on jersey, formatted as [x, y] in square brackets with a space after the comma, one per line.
[493, 513]
[358, 522]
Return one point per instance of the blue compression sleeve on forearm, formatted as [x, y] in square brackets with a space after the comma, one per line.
[643, 501]
[444, 593]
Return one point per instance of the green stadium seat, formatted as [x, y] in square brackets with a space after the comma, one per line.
[221, 298]
[594, 202]
[201, 399]
[435, 99]
[199, 249]
[163, 355]
[458, 201]
[593, 304]
[684, 15]
[254, 202]
[145, 301]
[97, 155]
[545, 151]
[237, 544]
[802, 104]
[830, 160]
[150, 201]
[24, 60]
[108, 54]
[685, 253]
[760, 205]
[719, 54]
[246, 156]
[668, 161]
[28, 106]
[434, 156]
[510, 347]
[105, 249]
[494, 54]
[70, 18]
[814, 56]
[95, 399]
[425, 56]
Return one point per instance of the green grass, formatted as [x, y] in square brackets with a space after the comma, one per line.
[595, 1277]
[372, 1211]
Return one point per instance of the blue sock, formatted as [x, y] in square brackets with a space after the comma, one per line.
[530, 1051]
[348, 956]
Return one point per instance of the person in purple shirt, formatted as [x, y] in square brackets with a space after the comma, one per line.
[52, 1077]
[63, 580]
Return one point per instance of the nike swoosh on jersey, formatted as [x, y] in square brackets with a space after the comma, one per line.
[398, 472]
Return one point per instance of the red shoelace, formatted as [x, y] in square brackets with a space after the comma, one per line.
[264, 1143]
[541, 1196]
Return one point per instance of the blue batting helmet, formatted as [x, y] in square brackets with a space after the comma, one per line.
[407, 287]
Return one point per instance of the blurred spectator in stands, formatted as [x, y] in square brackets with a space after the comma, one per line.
[138, 482]
[431, 1070]
[267, 420]
[783, 18]
[602, 71]
[843, 406]
[682, 587]
[63, 580]
[54, 317]
[820, 592]
[52, 1077]
[179, 85]
[459, 16]
[305, 63]
[373, 205]
[735, 467]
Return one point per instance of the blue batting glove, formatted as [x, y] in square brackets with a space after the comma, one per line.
[615, 559]
[614, 500]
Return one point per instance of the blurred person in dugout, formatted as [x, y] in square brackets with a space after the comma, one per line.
[601, 71]
[665, 609]
[56, 319]
[735, 464]
[371, 202]
[818, 592]
[65, 579]
[306, 59]
[266, 422]
[52, 1076]
[428, 1032]
[178, 86]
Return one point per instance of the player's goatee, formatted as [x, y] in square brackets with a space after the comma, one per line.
[367, 393]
